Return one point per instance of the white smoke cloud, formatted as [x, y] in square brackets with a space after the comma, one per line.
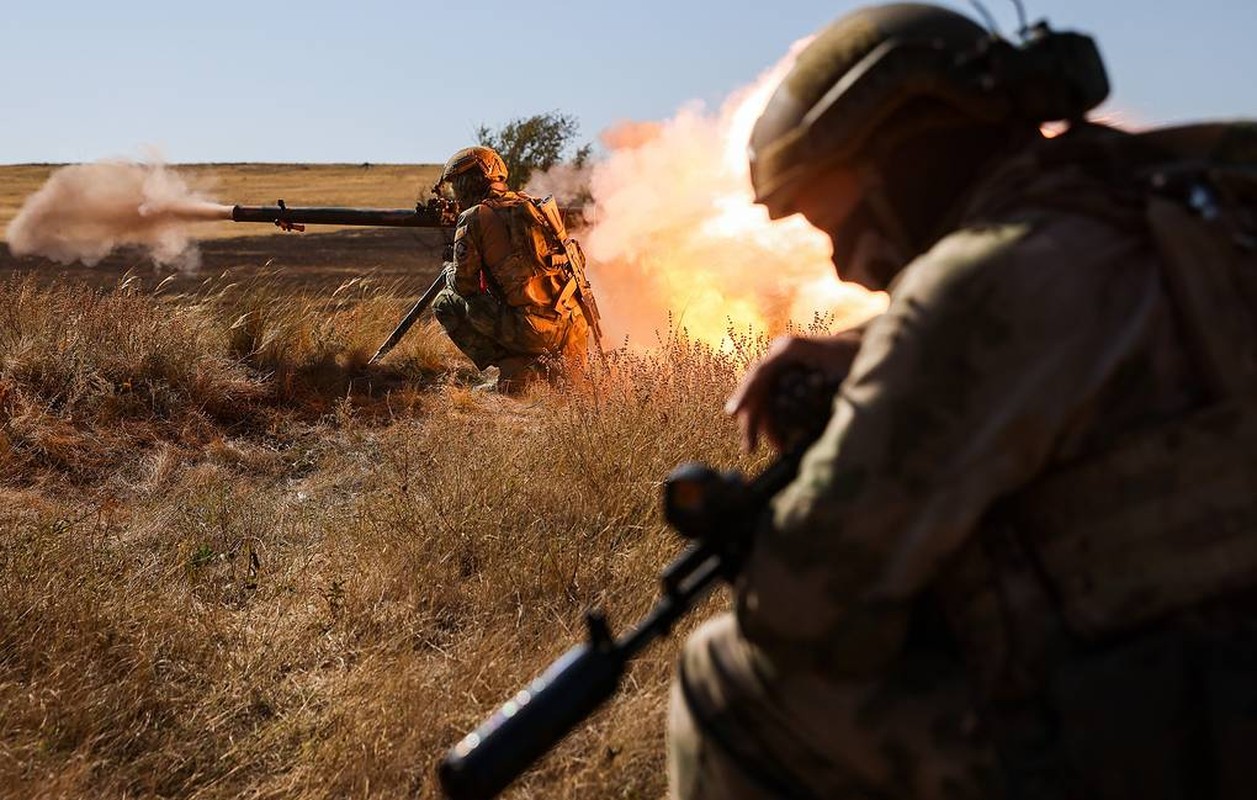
[85, 211]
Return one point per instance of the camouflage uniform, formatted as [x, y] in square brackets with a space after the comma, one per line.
[503, 306]
[1038, 332]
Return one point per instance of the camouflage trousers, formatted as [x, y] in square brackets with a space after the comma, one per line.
[740, 729]
[513, 339]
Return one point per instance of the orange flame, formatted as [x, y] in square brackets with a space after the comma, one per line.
[677, 235]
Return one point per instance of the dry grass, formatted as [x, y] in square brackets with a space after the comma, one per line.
[237, 563]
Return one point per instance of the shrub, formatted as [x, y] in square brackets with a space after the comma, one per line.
[534, 144]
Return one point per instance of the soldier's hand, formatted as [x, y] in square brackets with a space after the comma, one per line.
[756, 402]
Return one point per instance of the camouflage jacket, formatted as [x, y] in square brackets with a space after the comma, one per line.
[1038, 330]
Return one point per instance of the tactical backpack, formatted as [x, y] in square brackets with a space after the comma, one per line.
[566, 254]
[554, 277]
[1200, 185]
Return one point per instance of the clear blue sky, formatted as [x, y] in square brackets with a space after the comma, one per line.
[410, 81]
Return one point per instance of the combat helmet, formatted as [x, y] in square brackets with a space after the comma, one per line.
[884, 74]
[484, 160]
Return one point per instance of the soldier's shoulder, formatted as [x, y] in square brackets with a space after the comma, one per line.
[508, 200]
[1031, 241]
[473, 220]
[1042, 266]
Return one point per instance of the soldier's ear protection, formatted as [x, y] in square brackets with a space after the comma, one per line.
[1047, 76]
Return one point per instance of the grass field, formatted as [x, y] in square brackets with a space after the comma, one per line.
[237, 562]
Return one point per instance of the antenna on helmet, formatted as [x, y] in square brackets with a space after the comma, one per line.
[987, 17]
[1022, 24]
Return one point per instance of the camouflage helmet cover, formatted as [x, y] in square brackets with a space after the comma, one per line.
[485, 160]
[840, 89]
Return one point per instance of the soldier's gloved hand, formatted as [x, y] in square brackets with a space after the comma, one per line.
[754, 402]
[448, 271]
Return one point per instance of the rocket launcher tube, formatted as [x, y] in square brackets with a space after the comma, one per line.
[433, 214]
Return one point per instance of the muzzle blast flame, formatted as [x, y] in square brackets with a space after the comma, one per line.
[678, 239]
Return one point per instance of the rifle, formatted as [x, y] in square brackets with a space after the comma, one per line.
[718, 512]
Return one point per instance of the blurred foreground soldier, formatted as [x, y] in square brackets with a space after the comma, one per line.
[510, 302]
[1020, 561]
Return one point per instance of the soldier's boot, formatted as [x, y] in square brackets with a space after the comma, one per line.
[488, 381]
[517, 373]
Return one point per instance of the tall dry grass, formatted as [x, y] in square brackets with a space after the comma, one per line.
[263, 570]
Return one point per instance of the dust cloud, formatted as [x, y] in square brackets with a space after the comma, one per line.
[85, 211]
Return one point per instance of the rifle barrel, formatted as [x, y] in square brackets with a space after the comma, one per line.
[532, 722]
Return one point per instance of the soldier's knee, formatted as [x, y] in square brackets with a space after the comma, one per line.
[448, 310]
[696, 656]
[684, 746]
[698, 766]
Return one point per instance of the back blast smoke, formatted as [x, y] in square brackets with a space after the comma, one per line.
[84, 211]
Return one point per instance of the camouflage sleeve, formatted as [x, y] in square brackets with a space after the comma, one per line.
[468, 260]
[993, 346]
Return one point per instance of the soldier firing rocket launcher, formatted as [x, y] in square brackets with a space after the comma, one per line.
[437, 212]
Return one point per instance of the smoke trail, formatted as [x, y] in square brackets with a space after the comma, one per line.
[84, 211]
